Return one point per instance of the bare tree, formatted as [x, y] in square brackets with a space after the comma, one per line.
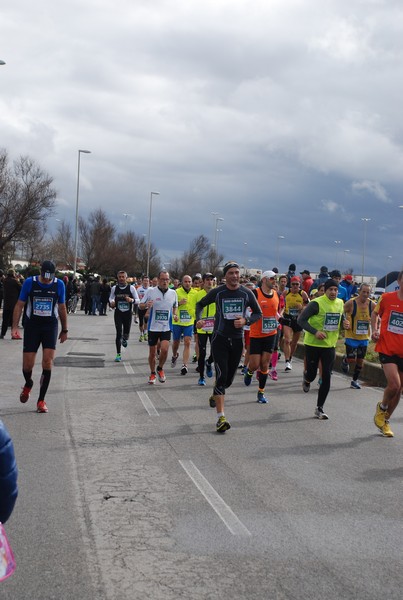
[97, 242]
[27, 198]
[60, 247]
[198, 258]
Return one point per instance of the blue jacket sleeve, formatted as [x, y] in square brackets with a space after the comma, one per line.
[8, 475]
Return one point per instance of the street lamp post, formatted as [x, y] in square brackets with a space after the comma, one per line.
[215, 215]
[245, 246]
[364, 245]
[77, 199]
[279, 237]
[344, 258]
[386, 275]
[149, 232]
[337, 242]
[216, 232]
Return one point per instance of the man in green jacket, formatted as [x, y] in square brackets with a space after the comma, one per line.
[321, 320]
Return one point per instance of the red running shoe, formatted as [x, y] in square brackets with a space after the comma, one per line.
[152, 379]
[161, 375]
[16, 336]
[41, 407]
[25, 394]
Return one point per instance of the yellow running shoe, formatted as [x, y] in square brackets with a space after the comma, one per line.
[381, 416]
[386, 430]
[222, 425]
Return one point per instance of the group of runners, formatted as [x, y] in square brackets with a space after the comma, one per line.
[239, 321]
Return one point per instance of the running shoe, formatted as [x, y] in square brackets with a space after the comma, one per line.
[319, 414]
[261, 398]
[288, 366]
[16, 336]
[124, 342]
[386, 430]
[222, 425]
[152, 379]
[141, 338]
[184, 370]
[201, 381]
[244, 370]
[194, 359]
[306, 386]
[247, 377]
[344, 365]
[145, 337]
[173, 360]
[161, 375]
[41, 407]
[273, 375]
[118, 358]
[380, 417]
[355, 385]
[25, 394]
[211, 401]
[209, 370]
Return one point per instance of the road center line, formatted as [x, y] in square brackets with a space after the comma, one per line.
[222, 509]
[128, 368]
[148, 405]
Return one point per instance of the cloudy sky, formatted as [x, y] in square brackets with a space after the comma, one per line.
[279, 116]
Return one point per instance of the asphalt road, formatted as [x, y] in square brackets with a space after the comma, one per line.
[127, 491]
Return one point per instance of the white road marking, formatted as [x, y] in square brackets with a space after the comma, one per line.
[148, 405]
[222, 509]
[129, 369]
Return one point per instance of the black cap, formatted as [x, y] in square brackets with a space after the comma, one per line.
[335, 273]
[205, 275]
[331, 283]
[230, 265]
[305, 272]
[48, 269]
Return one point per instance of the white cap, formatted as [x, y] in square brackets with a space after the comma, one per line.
[269, 274]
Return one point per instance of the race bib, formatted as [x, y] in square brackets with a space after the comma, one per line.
[232, 309]
[161, 315]
[184, 316]
[269, 324]
[362, 328]
[331, 322]
[208, 325]
[123, 306]
[395, 324]
[42, 307]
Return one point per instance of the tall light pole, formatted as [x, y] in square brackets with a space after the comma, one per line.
[386, 275]
[149, 232]
[245, 246]
[77, 198]
[364, 245]
[337, 242]
[215, 215]
[216, 242]
[216, 232]
[344, 258]
[279, 237]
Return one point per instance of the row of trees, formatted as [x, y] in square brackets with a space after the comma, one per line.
[28, 200]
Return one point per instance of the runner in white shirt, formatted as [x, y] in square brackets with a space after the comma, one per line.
[162, 303]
